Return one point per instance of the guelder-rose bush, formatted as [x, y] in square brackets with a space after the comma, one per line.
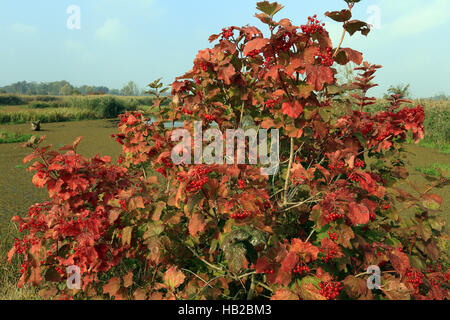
[144, 228]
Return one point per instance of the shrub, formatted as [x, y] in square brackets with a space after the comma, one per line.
[104, 107]
[40, 105]
[13, 137]
[10, 100]
[146, 229]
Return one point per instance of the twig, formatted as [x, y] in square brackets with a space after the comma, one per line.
[187, 270]
[286, 183]
[310, 235]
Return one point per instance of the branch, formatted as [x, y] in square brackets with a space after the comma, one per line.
[286, 183]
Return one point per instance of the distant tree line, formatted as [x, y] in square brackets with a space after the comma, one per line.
[64, 88]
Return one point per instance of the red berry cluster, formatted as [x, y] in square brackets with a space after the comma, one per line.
[330, 289]
[339, 165]
[186, 111]
[329, 254]
[387, 206]
[167, 164]
[270, 103]
[325, 58]
[372, 216]
[204, 66]
[359, 163]
[163, 171]
[415, 278]
[368, 128]
[23, 267]
[286, 42]
[208, 117]
[21, 246]
[198, 178]
[196, 185]
[253, 53]
[268, 62]
[313, 26]
[242, 215]
[123, 205]
[334, 216]
[269, 271]
[241, 184]
[34, 210]
[186, 86]
[227, 33]
[301, 269]
[333, 236]
[355, 178]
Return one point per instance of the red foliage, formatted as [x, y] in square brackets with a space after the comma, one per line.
[135, 227]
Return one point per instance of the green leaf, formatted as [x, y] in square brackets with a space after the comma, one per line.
[269, 8]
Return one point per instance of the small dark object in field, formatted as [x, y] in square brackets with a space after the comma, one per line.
[36, 125]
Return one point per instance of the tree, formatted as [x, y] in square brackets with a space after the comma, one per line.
[131, 89]
[66, 90]
[401, 90]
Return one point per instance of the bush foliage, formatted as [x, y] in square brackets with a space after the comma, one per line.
[143, 228]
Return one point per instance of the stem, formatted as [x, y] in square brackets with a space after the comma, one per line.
[286, 182]
[251, 291]
[350, 7]
[310, 235]
[340, 43]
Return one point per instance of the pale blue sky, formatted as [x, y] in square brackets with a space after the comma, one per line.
[141, 40]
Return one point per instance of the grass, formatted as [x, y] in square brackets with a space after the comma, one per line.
[8, 272]
[48, 109]
[441, 147]
[48, 115]
[13, 137]
[435, 170]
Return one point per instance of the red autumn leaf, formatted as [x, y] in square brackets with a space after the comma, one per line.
[255, 44]
[292, 109]
[309, 291]
[306, 251]
[128, 279]
[358, 213]
[112, 287]
[357, 25]
[399, 261]
[284, 295]
[339, 16]
[346, 54]
[196, 224]
[318, 75]
[173, 277]
[140, 294]
[136, 203]
[76, 142]
[262, 264]
[226, 73]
